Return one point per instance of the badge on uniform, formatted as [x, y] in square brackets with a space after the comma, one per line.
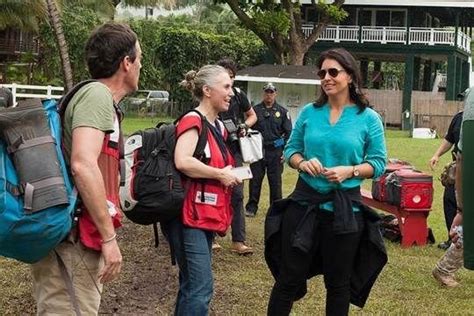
[278, 143]
[277, 114]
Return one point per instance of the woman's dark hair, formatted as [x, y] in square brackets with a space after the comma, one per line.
[348, 62]
[107, 47]
[228, 64]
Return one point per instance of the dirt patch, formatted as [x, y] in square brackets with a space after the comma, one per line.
[148, 282]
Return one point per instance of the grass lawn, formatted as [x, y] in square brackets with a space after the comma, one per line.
[134, 123]
[243, 284]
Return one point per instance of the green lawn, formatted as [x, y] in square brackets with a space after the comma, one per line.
[133, 123]
[243, 284]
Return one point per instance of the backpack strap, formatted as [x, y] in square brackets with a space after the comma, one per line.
[64, 101]
[202, 141]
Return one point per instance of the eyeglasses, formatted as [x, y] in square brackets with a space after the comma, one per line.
[333, 72]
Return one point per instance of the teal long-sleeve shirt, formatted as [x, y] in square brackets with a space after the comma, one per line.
[354, 139]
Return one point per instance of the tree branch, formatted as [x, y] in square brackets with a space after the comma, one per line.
[317, 30]
[250, 24]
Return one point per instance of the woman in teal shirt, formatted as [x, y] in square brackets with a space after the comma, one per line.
[336, 143]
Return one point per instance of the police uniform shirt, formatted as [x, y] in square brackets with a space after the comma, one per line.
[273, 123]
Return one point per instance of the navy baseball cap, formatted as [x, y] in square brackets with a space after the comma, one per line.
[269, 87]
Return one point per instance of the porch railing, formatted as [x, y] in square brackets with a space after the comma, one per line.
[28, 91]
[19, 46]
[386, 34]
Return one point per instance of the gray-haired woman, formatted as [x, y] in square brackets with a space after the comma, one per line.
[207, 209]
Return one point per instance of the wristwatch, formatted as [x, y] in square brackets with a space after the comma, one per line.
[355, 171]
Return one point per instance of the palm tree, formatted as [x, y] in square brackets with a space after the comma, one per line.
[56, 24]
[21, 14]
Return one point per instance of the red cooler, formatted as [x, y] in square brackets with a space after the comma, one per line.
[410, 189]
[379, 186]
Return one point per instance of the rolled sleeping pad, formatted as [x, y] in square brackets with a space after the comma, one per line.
[468, 179]
[27, 135]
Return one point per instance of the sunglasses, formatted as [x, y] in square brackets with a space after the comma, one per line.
[333, 72]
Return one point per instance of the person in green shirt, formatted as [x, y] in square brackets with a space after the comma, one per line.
[91, 140]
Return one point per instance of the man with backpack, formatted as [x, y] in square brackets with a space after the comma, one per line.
[71, 277]
[237, 120]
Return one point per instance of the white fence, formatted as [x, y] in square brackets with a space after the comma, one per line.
[27, 91]
[337, 33]
[383, 35]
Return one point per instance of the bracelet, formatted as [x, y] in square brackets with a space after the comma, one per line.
[299, 163]
[109, 240]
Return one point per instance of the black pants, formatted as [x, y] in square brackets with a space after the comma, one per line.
[334, 253]
[273, 166]
[237, 201]
[449, 205]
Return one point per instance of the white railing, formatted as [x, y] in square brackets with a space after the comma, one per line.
[27, 91]
[421, 35]
[386, 34]
[338, 33]
[464, 41]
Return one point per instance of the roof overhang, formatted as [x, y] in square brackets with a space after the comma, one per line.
[291, 74]
[278, 80]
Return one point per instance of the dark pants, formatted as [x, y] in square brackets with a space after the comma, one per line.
[237, 200]
[273, 166]
[334, 253]
[449, 205]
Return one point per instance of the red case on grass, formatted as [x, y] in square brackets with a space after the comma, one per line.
[379, 185]
[409, 189]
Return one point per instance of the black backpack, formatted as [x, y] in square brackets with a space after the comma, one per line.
[151, 190]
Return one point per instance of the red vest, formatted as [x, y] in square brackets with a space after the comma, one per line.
[109, 165]
[207, 204]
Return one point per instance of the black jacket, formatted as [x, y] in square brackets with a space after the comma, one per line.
[370, 259]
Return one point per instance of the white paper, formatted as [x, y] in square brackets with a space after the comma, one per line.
[243, 173]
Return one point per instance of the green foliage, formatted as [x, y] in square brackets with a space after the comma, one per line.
[334, 13]
[186, 46]
[171, 46]
[78, 22]
[272, 21]
[22, 14]
[217, 16]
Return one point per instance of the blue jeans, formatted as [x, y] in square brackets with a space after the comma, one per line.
[192, 250]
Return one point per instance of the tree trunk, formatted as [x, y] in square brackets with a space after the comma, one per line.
[296, 48]
[297, 56]
[56, 24]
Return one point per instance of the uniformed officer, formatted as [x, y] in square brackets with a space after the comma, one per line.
[237, 119]
[274, 122]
